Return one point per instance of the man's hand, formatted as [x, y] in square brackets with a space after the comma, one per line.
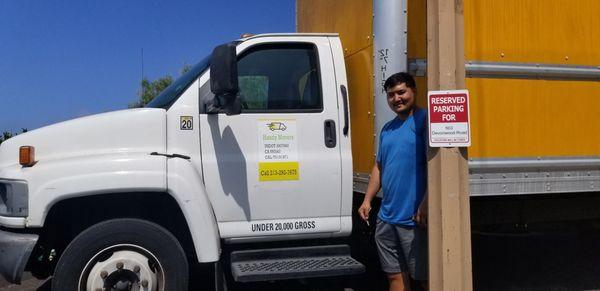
[372, 188]
[364, 210]
[420, 218]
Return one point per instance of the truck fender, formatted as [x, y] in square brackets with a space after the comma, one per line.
[185, 185]
[130, 172]
[56, 180]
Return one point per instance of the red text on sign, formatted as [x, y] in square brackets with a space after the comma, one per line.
[448, 108]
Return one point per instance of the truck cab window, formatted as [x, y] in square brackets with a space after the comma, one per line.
[280, 78]
[168, 96]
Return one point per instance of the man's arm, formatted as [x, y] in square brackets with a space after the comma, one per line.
[372, 189]
[421, 216]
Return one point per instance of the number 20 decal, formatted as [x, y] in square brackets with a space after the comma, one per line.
[186, 123]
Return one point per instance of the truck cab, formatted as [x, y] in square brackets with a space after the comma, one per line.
[251, 145]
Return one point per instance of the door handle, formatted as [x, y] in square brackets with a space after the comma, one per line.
[345, 100]
[330, 136]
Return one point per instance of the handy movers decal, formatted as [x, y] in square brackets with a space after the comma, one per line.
[277, 150]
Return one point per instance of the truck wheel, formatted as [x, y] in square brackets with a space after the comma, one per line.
[123, 254]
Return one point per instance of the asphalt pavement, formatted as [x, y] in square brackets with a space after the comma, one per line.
[29, 284]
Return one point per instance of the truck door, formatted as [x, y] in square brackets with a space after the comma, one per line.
[275, 169]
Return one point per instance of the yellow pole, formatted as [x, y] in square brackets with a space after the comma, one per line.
[448, 180]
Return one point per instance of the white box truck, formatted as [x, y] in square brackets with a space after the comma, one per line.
[252, 145]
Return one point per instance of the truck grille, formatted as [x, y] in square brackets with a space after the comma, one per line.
[13, 198]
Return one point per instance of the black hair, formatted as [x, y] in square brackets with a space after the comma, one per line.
[400, 78]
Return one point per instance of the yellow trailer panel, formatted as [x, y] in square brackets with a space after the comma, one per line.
[527, 117]
[534, 118]
[362, 120]
[353, 20]
[538, 31]
[511, 118]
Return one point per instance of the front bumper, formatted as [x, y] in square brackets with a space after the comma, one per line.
[15, 249]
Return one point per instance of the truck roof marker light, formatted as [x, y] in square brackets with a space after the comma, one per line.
[247, 35]
[27, 156]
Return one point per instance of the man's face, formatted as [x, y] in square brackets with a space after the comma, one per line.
[401, 99]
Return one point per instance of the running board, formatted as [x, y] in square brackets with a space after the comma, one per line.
[293, 263]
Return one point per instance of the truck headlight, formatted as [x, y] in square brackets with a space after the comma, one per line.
[14, 198]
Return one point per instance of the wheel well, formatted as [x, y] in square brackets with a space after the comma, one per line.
[68, 218]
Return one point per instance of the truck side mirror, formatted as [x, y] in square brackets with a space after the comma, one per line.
[224, 77]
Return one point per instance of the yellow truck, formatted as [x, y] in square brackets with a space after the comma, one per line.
[533, 72]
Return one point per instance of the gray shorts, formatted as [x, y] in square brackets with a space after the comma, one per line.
[402, 249]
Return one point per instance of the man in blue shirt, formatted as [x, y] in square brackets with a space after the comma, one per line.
[401, 172]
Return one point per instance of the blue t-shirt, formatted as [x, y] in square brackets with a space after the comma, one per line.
[402, 157]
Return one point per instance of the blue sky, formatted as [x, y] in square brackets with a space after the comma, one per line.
[64, 59]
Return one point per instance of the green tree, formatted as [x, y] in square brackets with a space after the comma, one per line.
[151, 89]
[5, 135]
[8, 134]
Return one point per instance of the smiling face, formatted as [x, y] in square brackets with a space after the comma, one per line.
[401, 100]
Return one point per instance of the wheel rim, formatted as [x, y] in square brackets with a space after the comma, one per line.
[122, 267]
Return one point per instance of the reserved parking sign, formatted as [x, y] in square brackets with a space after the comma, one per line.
[448, 118]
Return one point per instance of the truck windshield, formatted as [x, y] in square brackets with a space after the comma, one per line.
[171, 93]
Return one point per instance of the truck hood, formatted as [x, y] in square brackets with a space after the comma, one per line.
[132, 130]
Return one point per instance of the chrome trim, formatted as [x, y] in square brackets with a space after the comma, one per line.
[361, 181]
[477, 69]
[541, 163]
[492, 177]
[531, 71]
[495, 177]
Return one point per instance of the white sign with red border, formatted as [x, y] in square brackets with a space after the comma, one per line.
[448, 118]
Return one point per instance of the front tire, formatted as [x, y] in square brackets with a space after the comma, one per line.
[123, 254]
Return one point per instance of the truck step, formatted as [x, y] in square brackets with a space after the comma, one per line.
[293, 263]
